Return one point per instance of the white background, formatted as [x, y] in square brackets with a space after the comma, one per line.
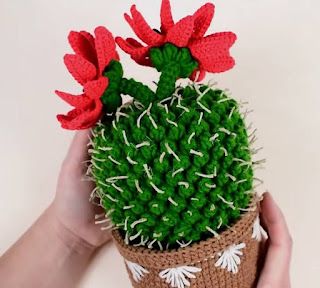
[278, 72]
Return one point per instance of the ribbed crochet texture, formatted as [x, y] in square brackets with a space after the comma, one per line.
[202, 255]
[177, 170]
[173, 167]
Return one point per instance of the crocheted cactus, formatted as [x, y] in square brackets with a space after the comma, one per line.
[176, 169]
[173, 166]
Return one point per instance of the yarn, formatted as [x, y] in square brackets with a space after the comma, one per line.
[172, 167]
[145, 193]
[211, 52]
[152, 267]
[173, 63]
[111, 97]
[92, 56]
[142, 92]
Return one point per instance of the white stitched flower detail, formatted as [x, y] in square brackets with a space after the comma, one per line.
[138, 272]
[177, 277]
[229, 258]
[258, 233]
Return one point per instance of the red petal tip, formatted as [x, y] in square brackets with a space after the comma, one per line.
[133, 8]
[209, 5]
[101, 29]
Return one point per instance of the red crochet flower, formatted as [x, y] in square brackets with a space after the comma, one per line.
[92, 56]
[211, 52]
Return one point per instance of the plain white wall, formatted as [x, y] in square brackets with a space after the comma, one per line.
[278, 72]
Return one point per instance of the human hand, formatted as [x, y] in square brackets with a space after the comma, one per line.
[59, 246]
[71, 205]
[275, 273]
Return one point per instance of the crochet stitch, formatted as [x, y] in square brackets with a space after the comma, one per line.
[163, 172]
[202, 255]
[173, 167]
[92, 56]
[211, 52]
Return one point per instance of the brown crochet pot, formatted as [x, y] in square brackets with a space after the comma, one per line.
[203, 255]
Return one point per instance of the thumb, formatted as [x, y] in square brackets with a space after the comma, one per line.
[78, 151]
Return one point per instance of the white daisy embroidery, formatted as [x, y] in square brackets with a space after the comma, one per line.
[138, 272]
[258, 233]
[177, 277]
[229, 258]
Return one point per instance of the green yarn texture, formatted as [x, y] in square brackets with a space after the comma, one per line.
[172, 166]
[173, 170]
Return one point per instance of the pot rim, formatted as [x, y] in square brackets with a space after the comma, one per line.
[194, 253]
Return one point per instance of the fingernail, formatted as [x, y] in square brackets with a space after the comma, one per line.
[266, 194]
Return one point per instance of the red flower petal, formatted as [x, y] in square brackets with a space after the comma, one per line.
[166, 16]
[212, 51]
[82, 46]
[78, 101]
[88, 36]
[105, 47]
[142, 28]
[81, 69]
[66, 119]
[134, 42]
[129, 45]
[78, 119]
[217, 64]
[181, 32]
[202, 19]
[94, 89]
[137, 52]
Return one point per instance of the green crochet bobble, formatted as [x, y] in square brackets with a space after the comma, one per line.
[172, 166]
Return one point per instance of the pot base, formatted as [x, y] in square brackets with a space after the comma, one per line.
[230, 261]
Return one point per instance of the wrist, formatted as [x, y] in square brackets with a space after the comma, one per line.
[72, 242]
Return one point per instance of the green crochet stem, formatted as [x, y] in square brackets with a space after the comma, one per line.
[111, 98]
[137, 90]
[118, 85]
[167, 81]
[171, 61]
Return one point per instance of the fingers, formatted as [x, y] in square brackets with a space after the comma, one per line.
[78, 150]
[275, 222]
[275, 272]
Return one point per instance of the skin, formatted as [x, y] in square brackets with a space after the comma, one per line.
[59, 246]
[56, 250]
[276, 270]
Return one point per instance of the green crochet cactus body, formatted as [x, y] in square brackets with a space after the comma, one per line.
[173, 166]
[175, 171]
